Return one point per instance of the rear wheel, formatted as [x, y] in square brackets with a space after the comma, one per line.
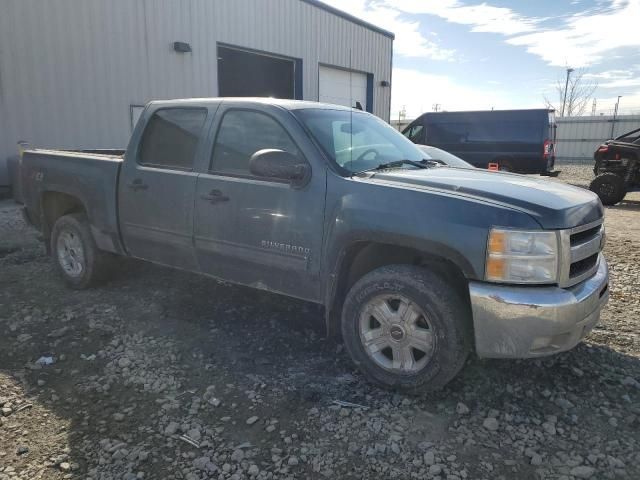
[609, 187]
[75, 253]
[406, 328]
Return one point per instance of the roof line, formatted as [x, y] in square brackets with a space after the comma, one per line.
[349, 17]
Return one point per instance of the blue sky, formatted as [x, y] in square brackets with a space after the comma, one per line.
[466, 54]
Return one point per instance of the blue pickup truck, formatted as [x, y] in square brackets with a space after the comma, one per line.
[416, 264]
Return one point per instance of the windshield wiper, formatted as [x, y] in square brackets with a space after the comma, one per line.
[395, 164]
[432, 161]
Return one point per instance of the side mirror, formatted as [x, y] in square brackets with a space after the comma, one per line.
[278, 164]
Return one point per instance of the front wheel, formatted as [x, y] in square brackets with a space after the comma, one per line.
[609, 187]
[406, 328]
[77, 258]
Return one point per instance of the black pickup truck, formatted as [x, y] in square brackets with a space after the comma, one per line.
[417, 264]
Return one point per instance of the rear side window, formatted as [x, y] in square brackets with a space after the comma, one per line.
[171, 137]
[241, 134]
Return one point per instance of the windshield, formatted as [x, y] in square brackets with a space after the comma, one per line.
[433, 153]
[357, 141]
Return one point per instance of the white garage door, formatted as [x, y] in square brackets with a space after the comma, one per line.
[342, 87]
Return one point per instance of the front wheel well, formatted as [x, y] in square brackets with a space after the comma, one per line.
[364, 257]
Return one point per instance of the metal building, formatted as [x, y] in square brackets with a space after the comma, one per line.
[578, 137]
[75, 74]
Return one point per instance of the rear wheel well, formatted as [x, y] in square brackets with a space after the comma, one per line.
[56, 205]
[364, 257]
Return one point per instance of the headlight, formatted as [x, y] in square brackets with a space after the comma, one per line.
[522, 257]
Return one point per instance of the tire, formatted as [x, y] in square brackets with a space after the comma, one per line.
[75, 254]
[609, 187]
[435, 307]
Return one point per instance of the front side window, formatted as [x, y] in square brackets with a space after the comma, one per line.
[171, 137]
[415, 133]
[357, 141]
[241, 134]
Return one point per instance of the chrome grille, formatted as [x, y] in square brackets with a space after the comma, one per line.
[580, 252]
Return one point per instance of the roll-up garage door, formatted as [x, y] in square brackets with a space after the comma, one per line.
[342, 87]
[248, 74]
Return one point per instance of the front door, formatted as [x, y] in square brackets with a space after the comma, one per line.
[157, 187]
[251, 230]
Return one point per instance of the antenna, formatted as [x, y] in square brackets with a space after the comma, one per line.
[351, 109]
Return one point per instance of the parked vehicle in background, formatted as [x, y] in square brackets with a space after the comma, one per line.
[446, 158]
[617, 167]
[519, 141]
[416, 264]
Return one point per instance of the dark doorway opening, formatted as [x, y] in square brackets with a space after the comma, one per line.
[247, 74]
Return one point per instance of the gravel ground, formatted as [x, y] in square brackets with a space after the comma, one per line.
[167, 375]
[579, 174]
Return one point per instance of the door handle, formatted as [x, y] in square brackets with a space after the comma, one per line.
[137, 185]
[215, 196]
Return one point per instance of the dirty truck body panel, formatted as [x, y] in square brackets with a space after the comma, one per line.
[92, 179]
[186, 194]
[254, 231]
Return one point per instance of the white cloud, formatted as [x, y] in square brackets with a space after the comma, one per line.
[585, 38]
[418, 92]
[482, 17]
[581, 40]
[409, 41]
[578, 40]
[629, 104]
[615, 78]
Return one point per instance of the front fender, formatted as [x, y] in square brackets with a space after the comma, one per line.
[439, 224]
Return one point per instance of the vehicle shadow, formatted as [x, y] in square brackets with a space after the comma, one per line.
[633, 205]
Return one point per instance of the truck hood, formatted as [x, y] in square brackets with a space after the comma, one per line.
[552, 204]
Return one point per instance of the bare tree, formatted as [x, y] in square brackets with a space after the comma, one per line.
[578, 94]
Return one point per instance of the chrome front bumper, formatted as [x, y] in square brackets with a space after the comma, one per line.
[524, 322]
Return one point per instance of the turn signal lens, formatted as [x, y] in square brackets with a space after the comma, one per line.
[495, 267]
[496, 242]
[515, 256]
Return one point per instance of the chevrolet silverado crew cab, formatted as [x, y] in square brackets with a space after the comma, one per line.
[417, 264]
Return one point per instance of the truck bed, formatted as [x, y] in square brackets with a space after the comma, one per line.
[49, 177]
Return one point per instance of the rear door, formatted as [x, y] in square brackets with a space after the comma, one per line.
[157, 186]
[256, 231]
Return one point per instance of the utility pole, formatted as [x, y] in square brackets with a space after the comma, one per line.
[566, 85]
[436, 107]
[615, 114]
[402, 114]
[593, 108]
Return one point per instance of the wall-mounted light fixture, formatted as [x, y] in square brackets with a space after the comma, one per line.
[384, 83]
[182, 47]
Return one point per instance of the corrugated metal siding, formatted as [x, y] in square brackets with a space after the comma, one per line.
[69, 69]
[578, 137]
